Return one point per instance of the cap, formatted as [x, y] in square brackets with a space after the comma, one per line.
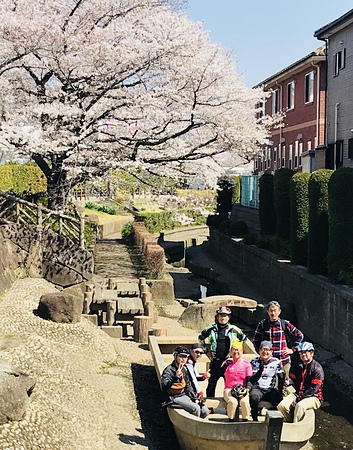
[181, 351]
[237, 344]
[266, 344]
[196, 345]
[223, 310]
[305, 347]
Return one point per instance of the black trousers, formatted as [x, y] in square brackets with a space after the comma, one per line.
[257, 395]
[215, 366]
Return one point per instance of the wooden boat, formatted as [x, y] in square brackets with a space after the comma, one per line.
[216, 432]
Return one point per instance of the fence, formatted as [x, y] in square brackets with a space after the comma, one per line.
[250, 191]
[16, 210]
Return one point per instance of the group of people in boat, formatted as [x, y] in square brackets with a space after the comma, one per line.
[292, 385]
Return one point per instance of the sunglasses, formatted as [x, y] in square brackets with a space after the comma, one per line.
[198, 352]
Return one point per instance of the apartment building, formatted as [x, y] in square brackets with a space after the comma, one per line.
[298, 91]
[338, 36]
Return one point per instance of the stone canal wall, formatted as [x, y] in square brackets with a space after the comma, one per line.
[324, 311]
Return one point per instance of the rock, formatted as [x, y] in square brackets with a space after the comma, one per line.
[15, 389]
[60, 307]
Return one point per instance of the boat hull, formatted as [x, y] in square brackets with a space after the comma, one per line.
[212, 433]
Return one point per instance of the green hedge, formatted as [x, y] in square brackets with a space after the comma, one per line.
[236, 189]
[267, 214]
[22, 179]
[282, 179]
[299, 217]
[156, 222]
[318, 221]
[340, 252]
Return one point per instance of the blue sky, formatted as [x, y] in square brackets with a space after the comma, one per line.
[265, 36]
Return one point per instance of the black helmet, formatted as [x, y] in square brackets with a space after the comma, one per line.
[181, 351]
[238, 391]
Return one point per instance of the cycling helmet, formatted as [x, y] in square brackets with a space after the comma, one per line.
[224, 310]
[238, 391]
[181, 351]
[305, 347]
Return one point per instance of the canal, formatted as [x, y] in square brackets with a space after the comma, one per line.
[334, 421]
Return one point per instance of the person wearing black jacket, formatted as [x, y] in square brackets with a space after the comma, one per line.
[307, 378]
[177, 388]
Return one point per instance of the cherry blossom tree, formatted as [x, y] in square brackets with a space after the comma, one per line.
[88, 85]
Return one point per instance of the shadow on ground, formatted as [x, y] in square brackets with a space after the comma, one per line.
[155, 422]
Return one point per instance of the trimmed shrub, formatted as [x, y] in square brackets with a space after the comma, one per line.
[236, 190]
[214, 220]
[299, 217]
[267, 214]
[340, 252]
[238, 228]
[282, 179]
[158, 221]
[318, 235]
[224, 195]
[224, 227]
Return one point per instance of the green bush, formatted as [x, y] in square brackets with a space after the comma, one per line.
[340, 252]
[318, 235]
[236, 190]
[155, 222]
[299, 217]
[102, 208]
[224, 227]
[22, 179]
[214, 220]
[267, 214]
[127, 233]
[282, 179]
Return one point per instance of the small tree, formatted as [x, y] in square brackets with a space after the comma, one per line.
[299, 215]
[224, 195]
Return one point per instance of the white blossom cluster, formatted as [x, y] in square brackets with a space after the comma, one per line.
[89, 85]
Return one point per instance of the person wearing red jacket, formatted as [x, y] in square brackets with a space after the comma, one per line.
[308, 379]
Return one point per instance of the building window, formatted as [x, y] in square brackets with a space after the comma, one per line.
[290, 95]
[350, 148]
[296, 149]
[300, 153]
[309, 145]
[283, 155]
[309, 87]
[290, 156]
[339, 154]
[339, 62]
[275, 101]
